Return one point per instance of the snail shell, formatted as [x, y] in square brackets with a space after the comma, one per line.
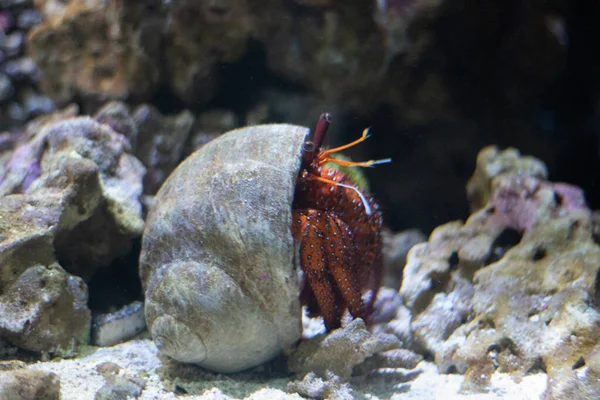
[218, 261]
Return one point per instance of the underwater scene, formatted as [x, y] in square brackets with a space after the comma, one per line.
[299, 199]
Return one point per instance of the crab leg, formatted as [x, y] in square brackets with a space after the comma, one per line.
[314, 262]
[342, 260]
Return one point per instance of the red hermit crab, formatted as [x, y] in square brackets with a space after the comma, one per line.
[340, 232]
[222, 244]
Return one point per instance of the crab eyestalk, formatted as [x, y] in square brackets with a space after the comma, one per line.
[310, 148]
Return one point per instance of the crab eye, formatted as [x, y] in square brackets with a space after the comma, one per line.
[308, 147]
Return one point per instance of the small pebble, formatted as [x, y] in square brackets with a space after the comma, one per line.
[120, 388]
[13, 44]
[108, 369]
[112, 328]
[6, 23]
[20, 99]
[36, 104]
[6, 88]
[16, 112]
[27, 19]
[21, 69]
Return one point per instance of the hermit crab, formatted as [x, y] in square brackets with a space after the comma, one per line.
[244, 231]
[339, 228]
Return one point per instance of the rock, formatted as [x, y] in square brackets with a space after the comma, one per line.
[117, 327]
[19, 75]
[386, 305]
[220, 32]
[511, 289]
[45, 309]
[394, 359]
[36, 104]
[160, 143]
[70, 193]
[6, 88]
[24, 384]
[116, 58]
[315, 387]
[395, 249]
[156, 139]
[116, 115]
[108, 369]
[339, 351]
[120, 388]
[96, 185]
[209, 125]
[109, 58]
[21, 69]
[338, 51]
[492, 162]
[27, 19]
[12, 44]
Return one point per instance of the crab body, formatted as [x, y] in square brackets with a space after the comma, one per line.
[339, 229]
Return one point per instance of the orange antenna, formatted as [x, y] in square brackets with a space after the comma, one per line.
[312, 148]
[325, 155]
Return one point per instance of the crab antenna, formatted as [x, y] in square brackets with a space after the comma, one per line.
[357, 190]
[362, 197]
[311, 147]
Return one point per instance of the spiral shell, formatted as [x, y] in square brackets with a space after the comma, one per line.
[218, 261]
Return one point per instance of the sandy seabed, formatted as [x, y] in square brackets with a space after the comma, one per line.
[80, 380]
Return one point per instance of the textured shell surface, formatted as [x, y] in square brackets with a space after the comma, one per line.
[218, 261]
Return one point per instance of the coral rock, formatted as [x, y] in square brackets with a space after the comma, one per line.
[70, 191]
[24, 384]
[511, 290]
[160, 143]
[45, 309]
[492, 162]
[96, 184]
[88, 49]
[339, 351]
[315, 387]
[395, 249]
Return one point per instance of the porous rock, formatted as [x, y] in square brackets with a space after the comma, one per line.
[45, 309]
[160, 143]
[126, 50]
[338, 52]
[25, 384]
[340, 351]
[200, 35]
[157, 140]
[86, 168]
[70, 193]
[315, 387]
[512, 289]
[88, 49]
[491, 162]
